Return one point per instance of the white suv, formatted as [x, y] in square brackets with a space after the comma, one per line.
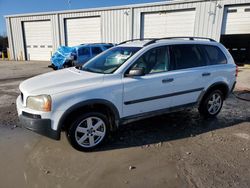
[134, 80]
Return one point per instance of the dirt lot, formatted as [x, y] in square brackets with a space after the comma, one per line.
[175, 150]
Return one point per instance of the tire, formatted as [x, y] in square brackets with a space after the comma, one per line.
[211, 104]
[88, 131]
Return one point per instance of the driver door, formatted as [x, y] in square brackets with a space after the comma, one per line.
[142, 94]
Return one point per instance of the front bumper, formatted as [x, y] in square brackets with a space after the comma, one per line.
[40, 126]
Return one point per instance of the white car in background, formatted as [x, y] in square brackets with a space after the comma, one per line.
[134, 80]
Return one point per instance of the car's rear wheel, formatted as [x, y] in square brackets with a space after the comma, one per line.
[211, 104]
[88, 131]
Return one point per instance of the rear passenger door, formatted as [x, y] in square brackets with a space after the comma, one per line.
[216, 65]
[188, 71]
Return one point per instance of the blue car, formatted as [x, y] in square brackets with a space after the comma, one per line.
[78, 55]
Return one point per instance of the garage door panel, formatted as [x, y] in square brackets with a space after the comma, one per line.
[39, 54]
[38, 40]
[168, 24]
[83, 30]
[236, 20]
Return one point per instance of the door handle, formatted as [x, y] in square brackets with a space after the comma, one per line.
[206, 74]
[167, 80]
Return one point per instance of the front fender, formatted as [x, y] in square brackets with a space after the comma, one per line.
[109, 104]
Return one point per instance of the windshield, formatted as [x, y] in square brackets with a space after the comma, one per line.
[110, 60]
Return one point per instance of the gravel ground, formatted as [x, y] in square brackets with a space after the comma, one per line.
[176, 150]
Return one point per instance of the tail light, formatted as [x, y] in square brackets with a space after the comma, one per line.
[236, 71]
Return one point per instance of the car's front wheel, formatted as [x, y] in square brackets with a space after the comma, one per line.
[88, 131]
[211, 104]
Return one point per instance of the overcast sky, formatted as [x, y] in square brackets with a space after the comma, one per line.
[9, 7]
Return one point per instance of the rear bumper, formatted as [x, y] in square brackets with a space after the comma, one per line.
[40, 126]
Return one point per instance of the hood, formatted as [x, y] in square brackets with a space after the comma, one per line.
[59, 81]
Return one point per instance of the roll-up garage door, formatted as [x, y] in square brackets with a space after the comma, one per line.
[83, 30]
[38, 40]
[236, 20]
[164, 24]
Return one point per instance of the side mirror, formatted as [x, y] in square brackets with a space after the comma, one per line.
[139, 71]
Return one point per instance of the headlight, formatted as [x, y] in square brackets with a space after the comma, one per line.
[39, 103]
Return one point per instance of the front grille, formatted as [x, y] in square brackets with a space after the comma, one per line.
[22, 97]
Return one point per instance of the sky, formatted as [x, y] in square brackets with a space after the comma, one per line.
[9, 7]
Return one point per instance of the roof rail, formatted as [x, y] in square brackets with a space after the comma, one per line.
[97, 43]
[189, 38]
[141, 39]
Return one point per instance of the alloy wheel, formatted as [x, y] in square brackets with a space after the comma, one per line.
[214, 103]
[90, 131]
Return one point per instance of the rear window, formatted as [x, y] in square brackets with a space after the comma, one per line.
[215, 55]
[186, 56]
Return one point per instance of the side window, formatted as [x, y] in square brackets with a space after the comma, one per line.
[154, 60]
[83, 51]
[215, 55]
[96, 50]
[186, 56]
[107, 46]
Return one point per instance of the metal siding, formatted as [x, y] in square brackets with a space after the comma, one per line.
[235, 2]
[17, 39]
[140, 10]
[208, 20]
[17, 33]
[10, 41]
[117, 26]
[205, 25]
[168, 24]
[55, 30]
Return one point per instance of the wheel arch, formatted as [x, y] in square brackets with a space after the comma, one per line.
[103, 106]
[218, 85]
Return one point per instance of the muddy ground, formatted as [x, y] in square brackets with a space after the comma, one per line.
[175, 150]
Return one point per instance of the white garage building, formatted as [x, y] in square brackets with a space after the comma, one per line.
[37, 36]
